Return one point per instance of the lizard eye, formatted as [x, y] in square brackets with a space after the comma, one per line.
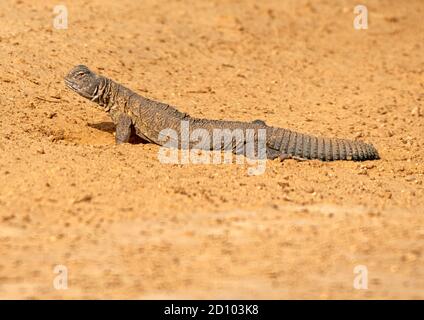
[80, 74]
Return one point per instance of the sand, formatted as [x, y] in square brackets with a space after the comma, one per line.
[118, 223]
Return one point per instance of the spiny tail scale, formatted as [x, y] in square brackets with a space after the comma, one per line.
[303, 146]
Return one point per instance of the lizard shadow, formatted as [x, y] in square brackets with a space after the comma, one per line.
[110, 128]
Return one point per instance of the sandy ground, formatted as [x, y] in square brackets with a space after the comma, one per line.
[127, 226]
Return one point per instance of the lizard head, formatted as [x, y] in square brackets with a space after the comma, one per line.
[85, 82]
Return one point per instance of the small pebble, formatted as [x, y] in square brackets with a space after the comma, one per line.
[416, 112]
[309, 190]
[51, 115]
[363, 171]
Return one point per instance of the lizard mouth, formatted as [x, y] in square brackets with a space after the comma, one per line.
[73, 86]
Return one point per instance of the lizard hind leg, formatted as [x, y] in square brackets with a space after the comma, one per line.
[273, 154]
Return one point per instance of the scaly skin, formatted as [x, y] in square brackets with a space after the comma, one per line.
[133, 113]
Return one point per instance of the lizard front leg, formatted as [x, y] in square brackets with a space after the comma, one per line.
[123, 128]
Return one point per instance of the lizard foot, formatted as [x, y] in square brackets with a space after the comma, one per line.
[285, 156]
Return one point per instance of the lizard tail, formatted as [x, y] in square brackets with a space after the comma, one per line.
[288, 143]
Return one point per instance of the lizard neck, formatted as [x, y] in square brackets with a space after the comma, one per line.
[105, 96]
[114, 96]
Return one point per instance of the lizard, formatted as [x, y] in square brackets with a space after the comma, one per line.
[135, 114]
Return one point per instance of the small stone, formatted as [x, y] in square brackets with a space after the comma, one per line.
[382, 110]
[41, 150]
[283, 184]
[86, 198]
[358, 135]
[309, 189]
[410, 178]
[388, 195]
[416, 112]
[51, 115]
[56, 96]
[286, 198]
[363, 171]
